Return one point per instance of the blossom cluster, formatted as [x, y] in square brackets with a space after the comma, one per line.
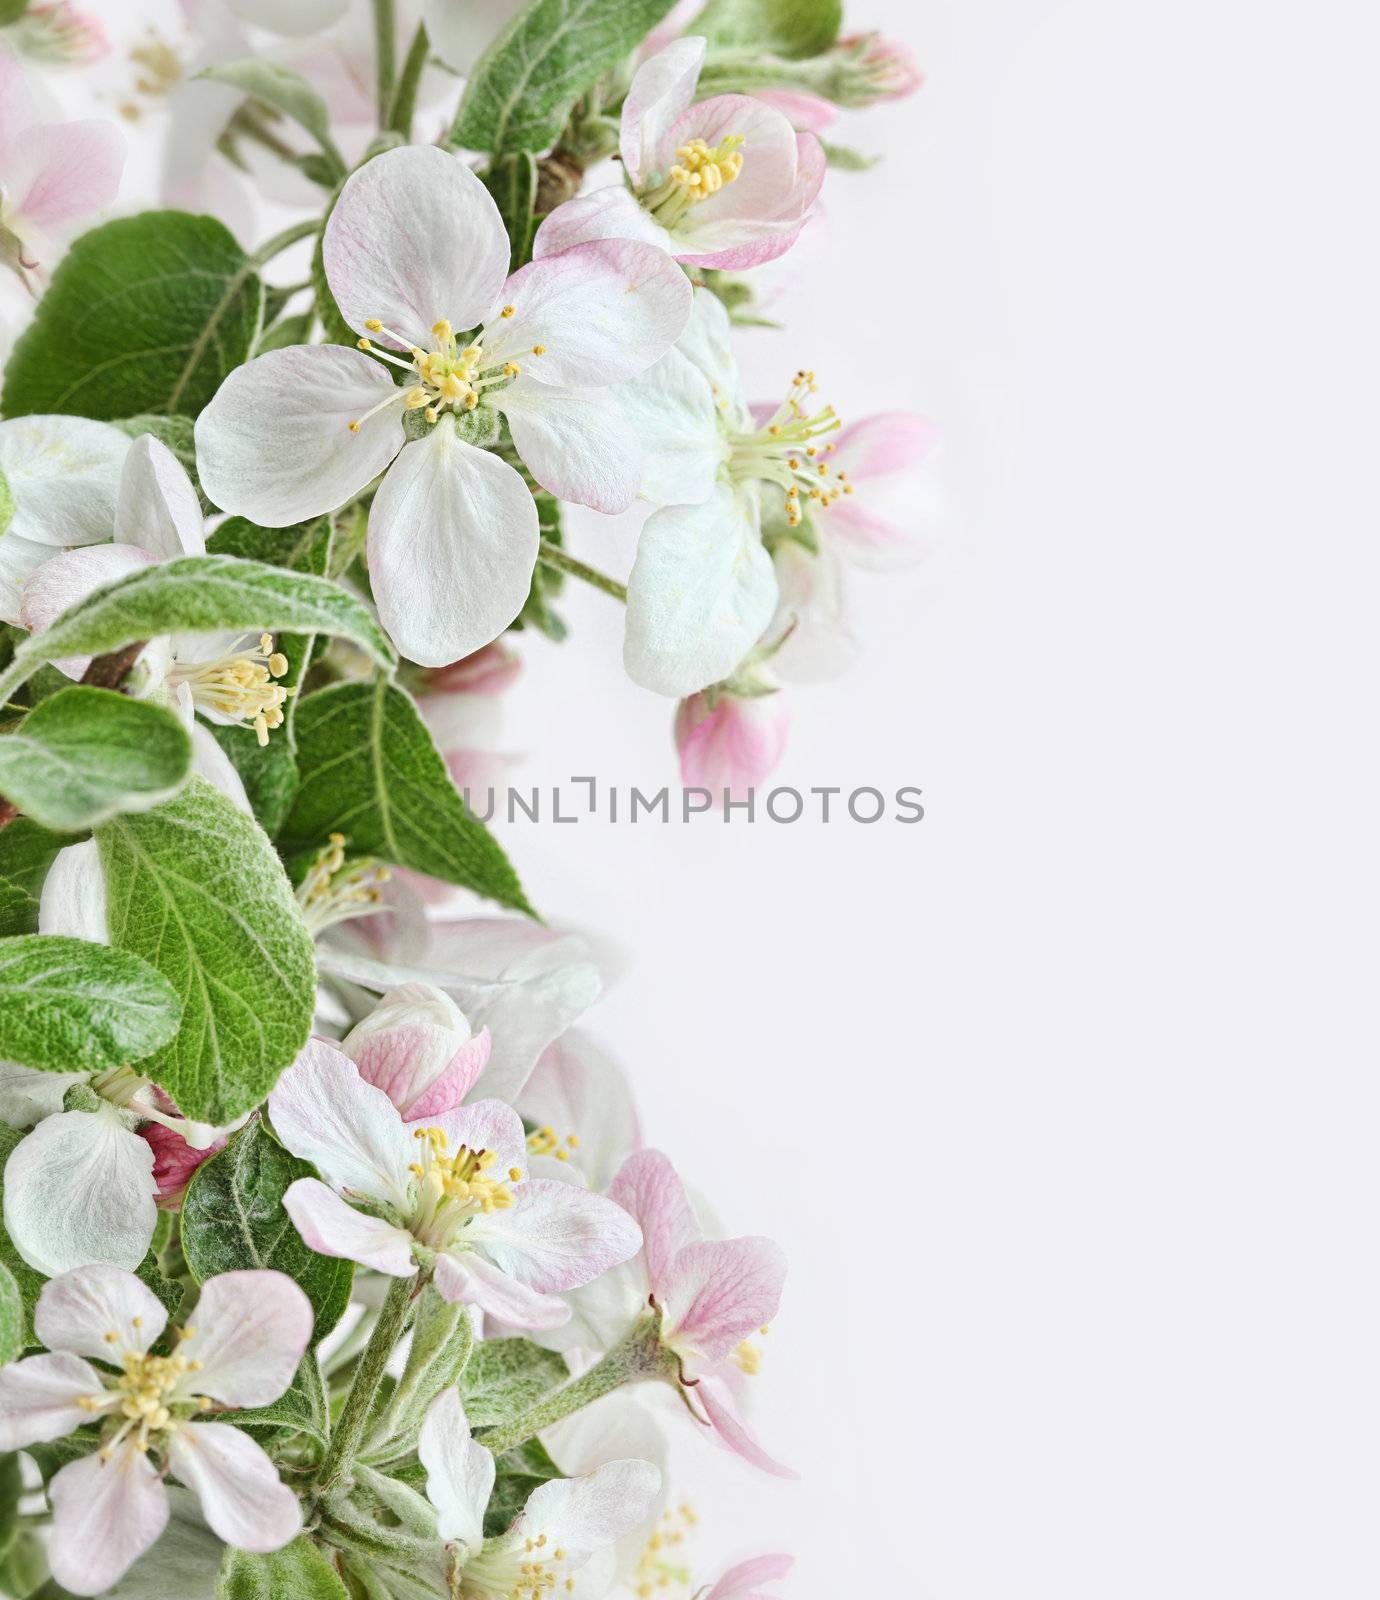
[334, 1262]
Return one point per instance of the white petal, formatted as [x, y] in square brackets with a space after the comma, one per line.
[26, 1094]
[708, 342]
[275, 443]
[611, 213]
[671, 409]
[586, 1514]
[250, 1329]
[487, 1125]
[73, 899]
[69, 577]
[577, 1088]
[453, 538]
[468, 1278]
[575, 442]
[19, 560]
[812, 614]
[209, 761]
[662, 87]
[454, 258]
[241, 1495]
[701, 593]
[602, 313]
[105, 1515]
[64, 475]
[556, 1236]
[185, 1562]
[38, 1399]
[80, 1310]
[158, 510]
[459, 1472]
[461, 30]
[332, 1228]
[79, 1189]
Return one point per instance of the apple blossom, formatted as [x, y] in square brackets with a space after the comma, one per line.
[452, 1194]
[416, 1046]
[453, 528]
[730, 740]
[581, 1109]
[59, 33]
[53, 175]
[725, 182]
[110, 1506]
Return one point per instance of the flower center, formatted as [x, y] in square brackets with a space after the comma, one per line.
[59, 32]
[447, 374]
[452, 1188]
[333, 891]
[525, 1568]
[152, 1396]
[786, 452]
[661, 1570]
[700, 171]
[241, 686]
[545, 1141]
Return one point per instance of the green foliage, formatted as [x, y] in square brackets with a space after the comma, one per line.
[845, 158]
[27, 851]
[298, 1572]
[70, 1006]
[520, 95]
[196, 889]
[506, 1377]
[201, 594]
[442, 1342]
[87, 754]
[285, 91]
[371, 771]
[788, 28]
[11, 1346]
[233, 1218]
[512, 181]
[295, 329]
[148, 313]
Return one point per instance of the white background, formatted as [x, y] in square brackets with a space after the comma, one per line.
[1063, 1101]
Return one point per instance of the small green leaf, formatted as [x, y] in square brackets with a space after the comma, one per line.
[792, 29]
[298, 1572]
[442, 1341]
[200, 594]
[87, 754]
[70, 1006]
[846, 159]
[284, 90]
[506, 1377]
[520, 95]
[372, 772]
[11, 1318]
[512, 181]
[147, 313]
[196, 889]
[6, 503]
[233, 1218]
[295, 329]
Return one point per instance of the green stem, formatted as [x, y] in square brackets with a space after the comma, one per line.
[354, 1413]
[405, 95]
[283, 241]
[384, 34]
[552, 555]
[634, 1359]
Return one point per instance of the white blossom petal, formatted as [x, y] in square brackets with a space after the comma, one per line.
[587, 1514]
[296, 19]
[185, 1561]
[465, 1276]
[64, 477]
[556, 1236]
[241, 1494]
[105, 1515]
[611, 213]
[248, 1332]
[73, 901]
[575, 442]
[333, 1228]
[27, 1095]
[662, 87]
[670, 408]
[38, 1399]
[460, 31]
[459, 1472]
[68, 578]
[99, 1311]
[157, 509]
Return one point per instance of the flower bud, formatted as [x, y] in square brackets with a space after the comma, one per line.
[728, 740]
[416, 1045]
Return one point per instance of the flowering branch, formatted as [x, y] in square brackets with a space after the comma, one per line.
[551, 555]
[368, 1374]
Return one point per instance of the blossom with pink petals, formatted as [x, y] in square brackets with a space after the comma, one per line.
[743, 1581]
[53, 175]
[453, 532]
[416, 1046]
[451, 1192]
[724, 182]
[730, 741]
[250, 1331]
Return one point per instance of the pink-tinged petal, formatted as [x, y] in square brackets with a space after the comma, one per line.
[718, 1291]
[742, 256]
[17, 109]
[350, 1131]
[488, 1125]
[19, 560]
[734, 745]
[890, 459]
[275, 443]
[79, 1189]
[158, 511]
[456, 253]
[490, 672]
[587, 1514]
[895, 73]
[249, 1331]
[779, 181]
[748, 1576]
[64, 477]
[611, 213]
[453, 537]
[60, 172]
[556, 1236]
[78, 1311]
[662, 88]
[808, 113]
[887, 442]
[812, 614]
[449, 1090]
[649, 1189]
[105, 1515]
[468, 1279]
[577, 1089]
[701, 593]
[174, 1160]
[574, 443]
[60, 583]
[332, 1228]
[459, 1472]
[38, 1399]
[602, 313]
[415, 1045]
[730, 1430]
[240, 1492]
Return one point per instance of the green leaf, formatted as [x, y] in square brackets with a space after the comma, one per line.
[442, 1341]
[200, 594]
[512, 181]
[792, 29]
[11, 1318]
[87, 754]
[70, 1006]
[24, 1568]
[233, 1218]
[846, 159]
[516, 1475]
[196, 888]
[520, 95]
[11, 1487]
[148, 313]
[11, 11]
[26, 852]
[269, 772]
[283, 90]
[298, 1572]
[295, 329]
[506, 1377]
[372, 772]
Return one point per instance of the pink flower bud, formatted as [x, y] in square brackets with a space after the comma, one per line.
[416, 1045]
[891, 68]
[487, 671]
[174, 1162]
[732, 744]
